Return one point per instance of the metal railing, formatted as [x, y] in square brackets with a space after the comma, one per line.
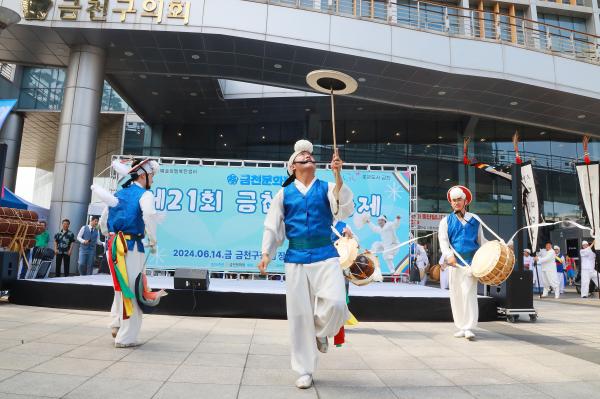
[480, 24]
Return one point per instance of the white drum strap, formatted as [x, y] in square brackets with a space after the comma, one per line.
[488, 228]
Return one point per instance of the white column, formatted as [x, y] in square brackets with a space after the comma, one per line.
[77, 134]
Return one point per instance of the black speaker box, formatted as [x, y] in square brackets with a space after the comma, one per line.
[516, 292]
[188, 279]
[9, 266]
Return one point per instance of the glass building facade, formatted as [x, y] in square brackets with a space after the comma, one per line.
[426, 140]
[43, 88]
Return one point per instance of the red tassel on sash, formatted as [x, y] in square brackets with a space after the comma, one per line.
[340, 337]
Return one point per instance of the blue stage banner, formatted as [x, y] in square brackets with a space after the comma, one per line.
[214, 214]
[5, 107]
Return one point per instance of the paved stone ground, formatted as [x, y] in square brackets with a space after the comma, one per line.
[62, 353]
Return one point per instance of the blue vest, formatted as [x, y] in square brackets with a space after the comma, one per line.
[308, 222]
[90, 235]
[463, 238]
[127, 215]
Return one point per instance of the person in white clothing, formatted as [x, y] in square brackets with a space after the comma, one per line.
[422, 262]
[461, 233]
[129, 218]
[444, 272]
[588, 271]
[388, 245]
[303, 212]
[548, 265]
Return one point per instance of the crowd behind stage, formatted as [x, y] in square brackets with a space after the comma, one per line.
[554, 272]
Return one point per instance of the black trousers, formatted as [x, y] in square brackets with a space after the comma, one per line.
[62, 258]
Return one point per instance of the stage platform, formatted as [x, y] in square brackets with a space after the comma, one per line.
[245, 298]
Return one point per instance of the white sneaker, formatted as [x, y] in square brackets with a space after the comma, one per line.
[304, 382]
[556, 296]
[322, 344]
[459, 334]
[469, 335]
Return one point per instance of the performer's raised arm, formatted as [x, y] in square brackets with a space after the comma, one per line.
[340, 196]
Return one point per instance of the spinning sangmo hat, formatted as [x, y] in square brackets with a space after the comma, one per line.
[459, 192]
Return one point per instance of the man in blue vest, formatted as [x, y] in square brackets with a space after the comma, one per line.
[88, 238]
[303, 212]
[461, 233]
[133, 214]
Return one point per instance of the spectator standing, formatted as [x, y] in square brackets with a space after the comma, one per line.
[88, 237]
[63, 246]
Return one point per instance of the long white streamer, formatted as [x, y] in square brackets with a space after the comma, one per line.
[403, 244]
[549, 224]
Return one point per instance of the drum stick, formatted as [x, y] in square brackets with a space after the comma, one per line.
[333, 122]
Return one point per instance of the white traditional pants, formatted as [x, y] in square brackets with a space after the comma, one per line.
[550, 279]
[586, 276]
[561, 281]
[316, 307]
[463, 298]
[444, 274]
[129, 329]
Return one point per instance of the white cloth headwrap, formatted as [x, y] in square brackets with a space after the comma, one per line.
[457, 193]
[151, 167]
[299, 147]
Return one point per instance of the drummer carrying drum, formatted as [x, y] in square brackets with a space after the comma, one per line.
[460, 232]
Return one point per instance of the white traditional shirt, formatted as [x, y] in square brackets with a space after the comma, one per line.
[546, 259]
[387, 232]
[588, 258]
